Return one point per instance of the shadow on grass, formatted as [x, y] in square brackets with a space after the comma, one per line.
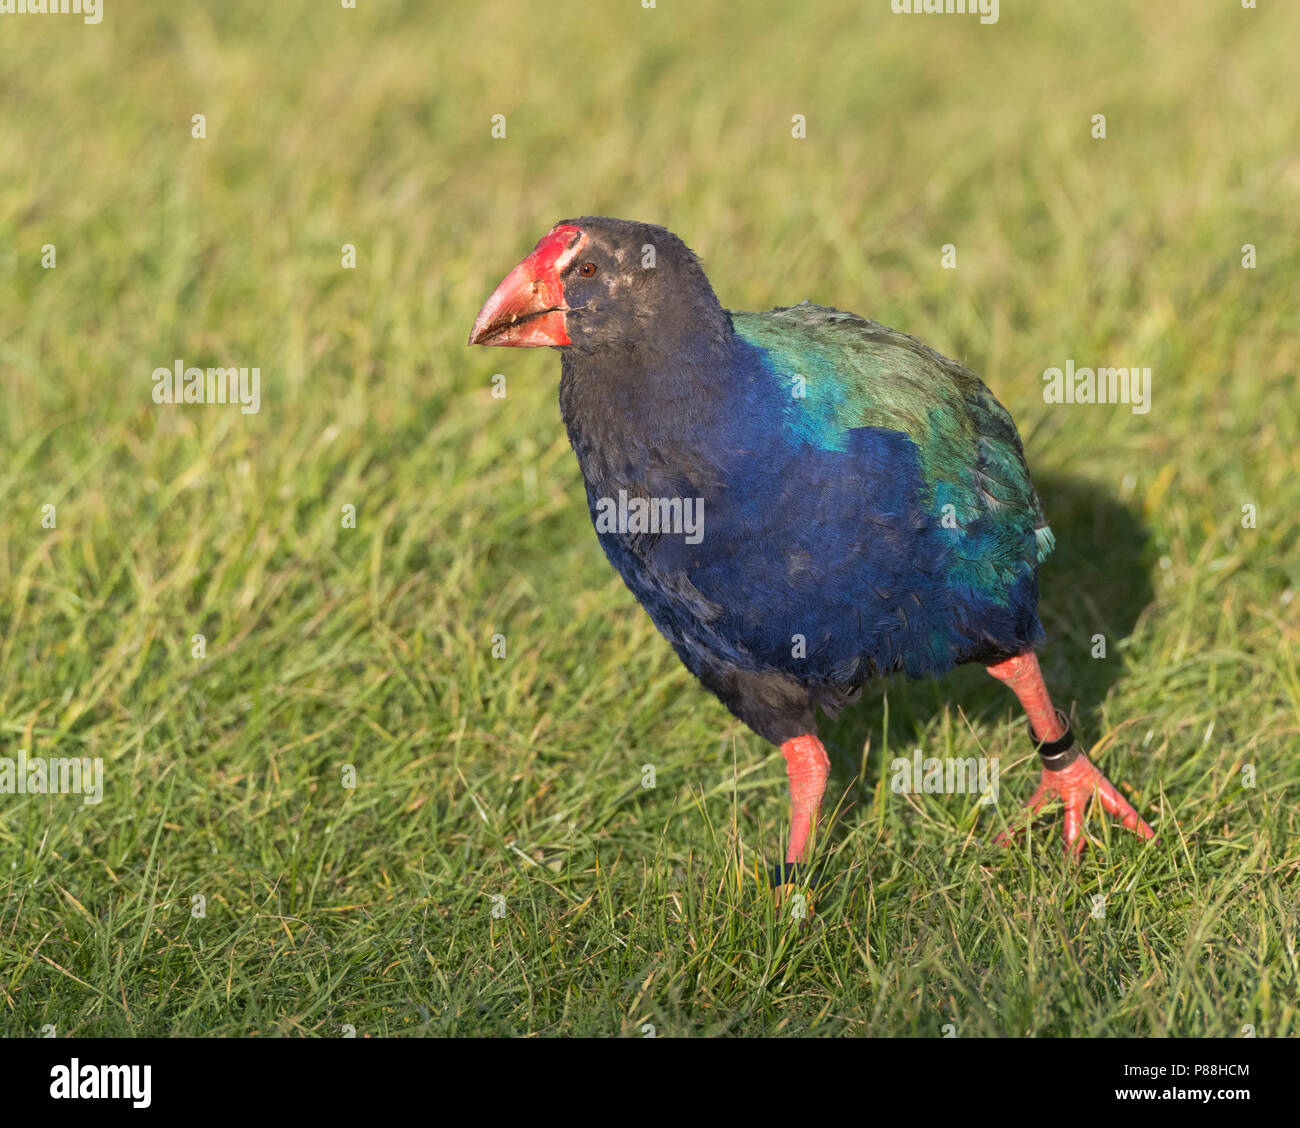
[1096, 582]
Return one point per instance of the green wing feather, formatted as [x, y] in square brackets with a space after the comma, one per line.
[858, 373]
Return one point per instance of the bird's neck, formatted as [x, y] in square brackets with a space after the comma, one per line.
[656, 406]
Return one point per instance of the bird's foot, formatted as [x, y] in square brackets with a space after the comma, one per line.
[1075, 785]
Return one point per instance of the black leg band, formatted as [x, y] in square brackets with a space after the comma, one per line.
[1059, 753]
[792, 873]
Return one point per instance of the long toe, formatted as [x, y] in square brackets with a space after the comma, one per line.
[1116, 804]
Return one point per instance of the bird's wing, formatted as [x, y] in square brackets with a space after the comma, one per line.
[845, 372]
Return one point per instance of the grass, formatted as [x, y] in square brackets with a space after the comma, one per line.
[499, 867]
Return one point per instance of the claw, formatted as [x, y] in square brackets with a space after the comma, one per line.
[1075, 786]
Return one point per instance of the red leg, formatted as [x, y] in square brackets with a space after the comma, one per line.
[1022, 674]
[809, 768]
[1077, 782]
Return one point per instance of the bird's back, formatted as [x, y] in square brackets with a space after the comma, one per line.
[850, 372]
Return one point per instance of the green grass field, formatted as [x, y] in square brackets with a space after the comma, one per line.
[498, 867]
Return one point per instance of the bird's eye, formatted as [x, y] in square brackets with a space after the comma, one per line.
[587, 269]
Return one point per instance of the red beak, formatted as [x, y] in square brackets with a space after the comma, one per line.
[527, 309]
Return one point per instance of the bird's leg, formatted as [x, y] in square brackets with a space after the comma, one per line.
[1024, 677]
[808, 768]
[1067, 773]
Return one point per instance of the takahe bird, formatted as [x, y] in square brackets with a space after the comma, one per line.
[865, 503]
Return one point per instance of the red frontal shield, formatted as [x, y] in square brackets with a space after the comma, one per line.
[527, 309]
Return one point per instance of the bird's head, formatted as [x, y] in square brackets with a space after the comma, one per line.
[596, 282]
